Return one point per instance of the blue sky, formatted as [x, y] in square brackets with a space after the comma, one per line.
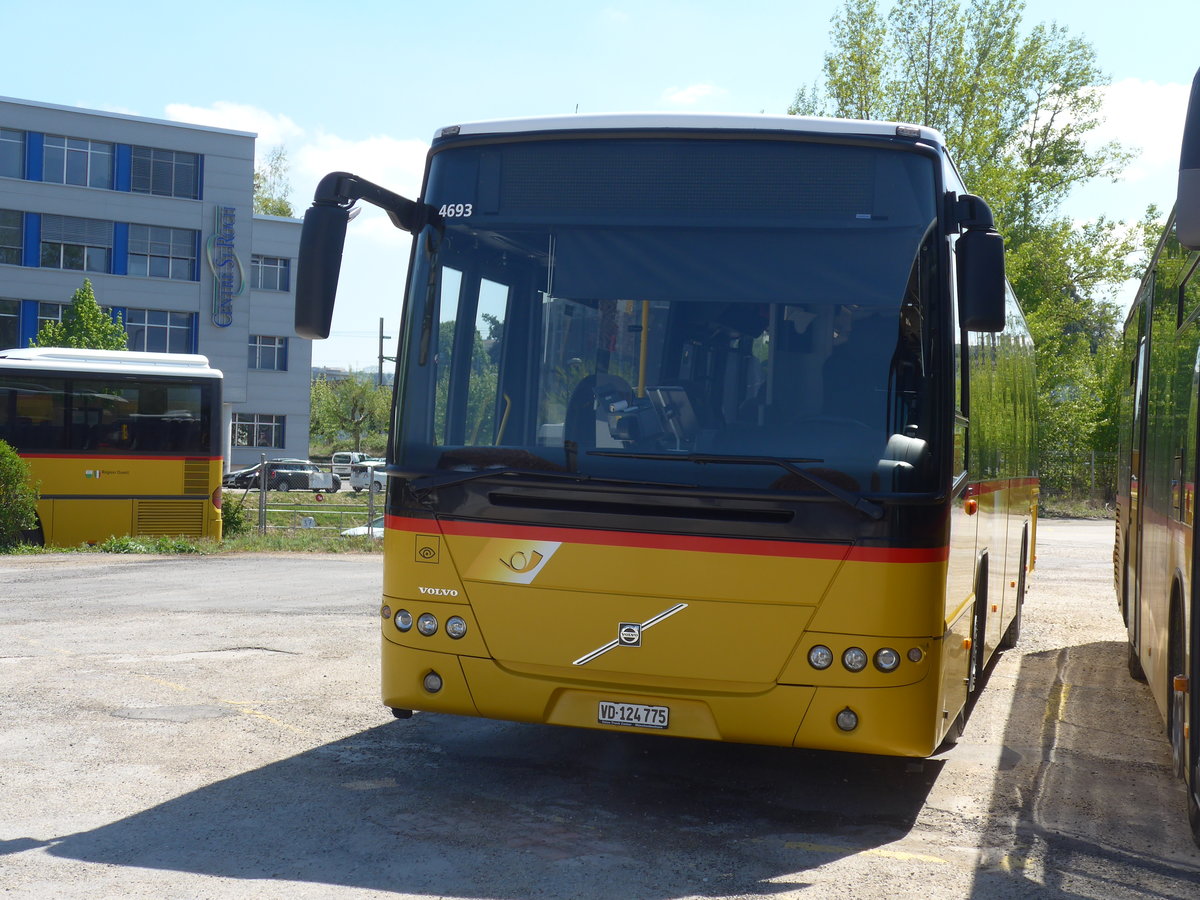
[363, 85]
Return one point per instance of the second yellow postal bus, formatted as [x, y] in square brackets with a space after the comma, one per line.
[117, 442]
[716, 427]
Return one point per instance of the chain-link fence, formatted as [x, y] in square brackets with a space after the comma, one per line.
[1086, 476]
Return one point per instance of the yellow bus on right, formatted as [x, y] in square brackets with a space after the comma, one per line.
[1155, 554]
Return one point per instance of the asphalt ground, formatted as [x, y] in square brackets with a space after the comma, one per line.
[210, 727]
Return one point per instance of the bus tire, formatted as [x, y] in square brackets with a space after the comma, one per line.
[1176, 705]
[1012, 634]
[1136, 672]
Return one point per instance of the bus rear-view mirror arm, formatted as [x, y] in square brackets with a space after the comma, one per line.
[1187, 198]
[323, 238]
[980, 262]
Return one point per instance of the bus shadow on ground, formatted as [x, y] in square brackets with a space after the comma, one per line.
[1087, 799]
[467, 808]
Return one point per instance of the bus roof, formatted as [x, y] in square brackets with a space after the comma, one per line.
[133, 362]
[693, 122]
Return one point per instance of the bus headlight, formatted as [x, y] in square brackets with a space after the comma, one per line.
[403, 620]
[456, 627]
[886, 659]
[432, 682]
[847, 719]
[820, 657]
[427, 624]
[855, 659]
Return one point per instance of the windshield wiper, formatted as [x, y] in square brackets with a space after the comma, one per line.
[855, 501]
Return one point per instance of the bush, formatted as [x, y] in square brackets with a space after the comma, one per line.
[18, 498]
[234, 520]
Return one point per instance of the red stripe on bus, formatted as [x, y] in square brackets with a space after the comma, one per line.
[991, 487]
[694, 543]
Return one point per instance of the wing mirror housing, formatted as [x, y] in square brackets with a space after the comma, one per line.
[979, 256]
[1187, 197]
[323, 237]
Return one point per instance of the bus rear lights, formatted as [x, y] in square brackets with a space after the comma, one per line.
[855, 659]
[847, 719]
[886, 659]
[820, 657]
[427, 624]
[456, 627]
[432, 682]
[403, 620]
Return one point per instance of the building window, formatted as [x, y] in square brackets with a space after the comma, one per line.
[159, 330]
[160, 252]
[268, 353]
[50, 312]
[11, 242]
[269, 273]
[77, 161]
[10, 322]
[12, 153]
[254, 430]
[71, 243]
[166, 173]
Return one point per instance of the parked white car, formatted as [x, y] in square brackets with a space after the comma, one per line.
[374, 529]
[368, 474]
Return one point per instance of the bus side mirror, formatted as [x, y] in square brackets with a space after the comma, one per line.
[1187, 198]
[320, 263]
[979, 256]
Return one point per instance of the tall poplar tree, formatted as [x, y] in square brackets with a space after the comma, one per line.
[1017, 107]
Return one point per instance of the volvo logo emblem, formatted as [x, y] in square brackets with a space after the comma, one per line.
[629, 634]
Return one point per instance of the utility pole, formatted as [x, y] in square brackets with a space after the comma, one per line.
[382, 338]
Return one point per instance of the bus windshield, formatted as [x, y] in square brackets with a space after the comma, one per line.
[625, 309]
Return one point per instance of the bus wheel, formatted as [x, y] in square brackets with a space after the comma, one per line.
[1136, 672]
[1012, 634]
[1176, 708]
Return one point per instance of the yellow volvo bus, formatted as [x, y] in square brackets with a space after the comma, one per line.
[709, 426]
[1155, 551]
[118, 443]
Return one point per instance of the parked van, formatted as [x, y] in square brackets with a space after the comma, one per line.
[368, 474]
[344, 459]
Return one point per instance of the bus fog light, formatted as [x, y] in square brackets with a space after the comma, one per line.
[403, 620]
[456, 627]
[915, 654]
[432, 682]
[855, 659]
[886, 659]
[820, 657]
[427, 624]
[847, 719]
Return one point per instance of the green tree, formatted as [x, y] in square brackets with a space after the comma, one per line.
[1017, 109]
[18, 498]
[271, 185]
[348, 409]
[84, 325]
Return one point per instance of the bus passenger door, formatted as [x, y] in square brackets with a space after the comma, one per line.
[1130, 570]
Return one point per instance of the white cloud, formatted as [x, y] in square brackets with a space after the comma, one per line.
[692, 94]
[1148, 117]
[389, 162]
[273, 130]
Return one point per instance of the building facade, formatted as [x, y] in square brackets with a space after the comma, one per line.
[159, 217]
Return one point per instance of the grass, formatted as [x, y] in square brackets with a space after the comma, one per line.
[286, 514]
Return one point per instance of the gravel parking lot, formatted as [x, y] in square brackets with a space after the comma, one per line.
[210, 727]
